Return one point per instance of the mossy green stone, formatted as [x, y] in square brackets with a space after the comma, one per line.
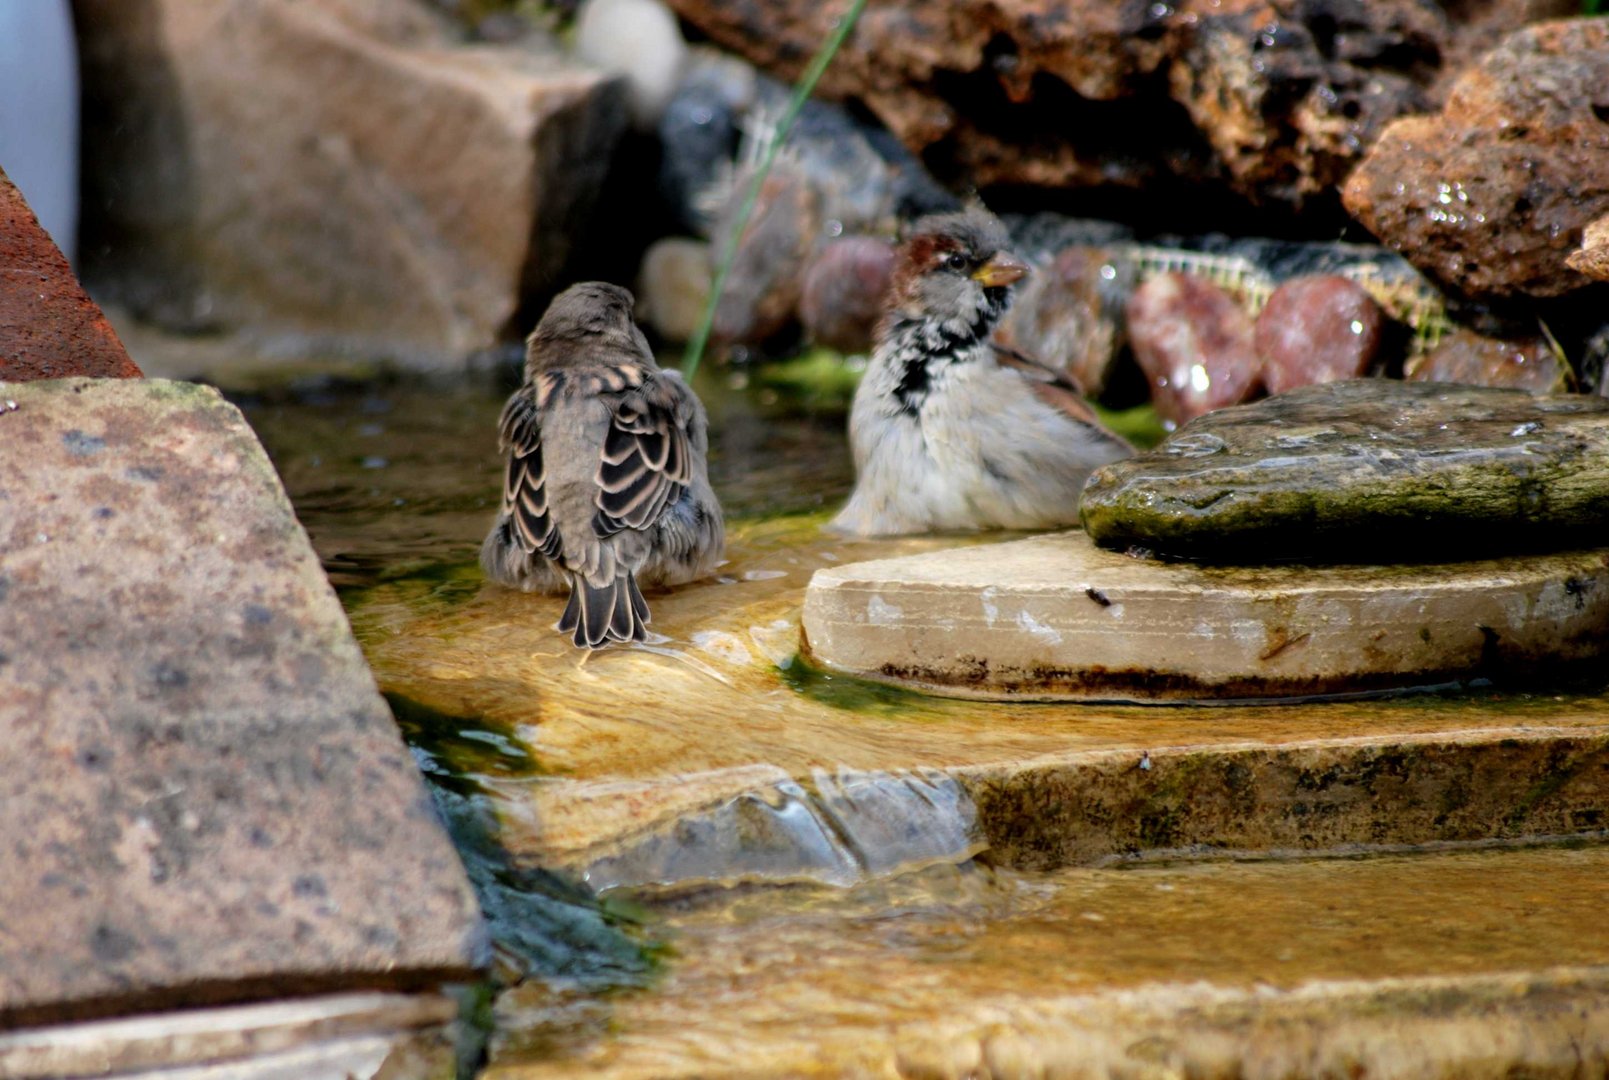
[1369, 470]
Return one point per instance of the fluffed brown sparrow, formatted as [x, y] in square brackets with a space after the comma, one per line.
[606, 487]
[950, 431]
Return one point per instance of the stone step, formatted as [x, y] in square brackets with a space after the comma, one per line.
[719, 756]
[205, 799]
[1473, 964]
[1056, 617]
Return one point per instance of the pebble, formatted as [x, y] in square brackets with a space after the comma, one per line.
[673, 285]
[637, 39]
[762, 289]
[1317, 329]
[843, 292]
[1517, 363]
[1066, 316]
[1194, 343]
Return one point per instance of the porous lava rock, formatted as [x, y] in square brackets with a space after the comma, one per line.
[1274, 99]
[1492, 194]
[1317, 329]
[1195, 344]
[1593, 258]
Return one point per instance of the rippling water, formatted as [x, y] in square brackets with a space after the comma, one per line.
[641, 817]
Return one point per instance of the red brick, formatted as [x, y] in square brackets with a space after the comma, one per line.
[49, 327]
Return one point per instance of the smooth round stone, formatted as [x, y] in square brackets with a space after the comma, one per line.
[843, 292]
[640, 41]
[1366, 470]
[1195, 344]
[1469, 358]
[1055, 617]
[1317, 329]
[673, 285]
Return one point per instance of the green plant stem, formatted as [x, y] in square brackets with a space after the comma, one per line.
[801, 93]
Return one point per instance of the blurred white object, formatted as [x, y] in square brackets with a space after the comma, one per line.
[638, 39]
[39, 112]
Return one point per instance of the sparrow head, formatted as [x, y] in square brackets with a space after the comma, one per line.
[589, 321]
[954, 268]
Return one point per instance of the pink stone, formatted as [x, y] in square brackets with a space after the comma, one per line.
[1061, 317]
[843, 292]
[1195, 345]
[1518, 363]
[1317, 329]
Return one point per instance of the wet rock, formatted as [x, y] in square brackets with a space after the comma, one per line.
[1194, 343]
[639, 41]
[344, 173]
[1358, 469]
[762, 290]
[673, 286]
[1469, 358]
[207, 800]
[1593, 258]
[843, 292]
[1317, 330]
[1491, 194]
[1272, 99]
[49, 328]
[1068, 315]
[1055, 617]
[699, 132]
[1288, 94]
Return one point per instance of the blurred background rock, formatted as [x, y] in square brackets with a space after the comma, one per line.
[409, 181]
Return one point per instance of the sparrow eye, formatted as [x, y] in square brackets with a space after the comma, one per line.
[956, 261]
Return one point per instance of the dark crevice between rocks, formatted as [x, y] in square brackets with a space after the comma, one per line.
[543, 924]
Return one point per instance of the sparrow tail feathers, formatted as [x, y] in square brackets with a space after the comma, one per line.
[596, 614]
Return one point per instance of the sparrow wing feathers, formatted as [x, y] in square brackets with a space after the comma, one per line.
[525, 500]
[647, 460]
[1054, 388]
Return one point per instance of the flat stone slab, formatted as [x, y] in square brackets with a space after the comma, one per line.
[1369, 470]
[361, 1036]
[203, 798]
[1055, 617]
[1467, 964]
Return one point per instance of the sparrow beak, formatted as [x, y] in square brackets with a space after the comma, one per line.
[1001, 269]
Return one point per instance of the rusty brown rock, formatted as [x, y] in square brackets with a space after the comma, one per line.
[1518, 363]
[1195, 343]
[1593, 258]
[1065, 316]
[1274, 99]
[49, 327]
[1317, 329]
[343, 172]
[1491, 194]
[206, 799]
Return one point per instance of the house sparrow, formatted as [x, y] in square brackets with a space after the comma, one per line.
[950, 431]
[606, 485]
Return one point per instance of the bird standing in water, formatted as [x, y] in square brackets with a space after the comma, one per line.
[606, 487]
[950, 431]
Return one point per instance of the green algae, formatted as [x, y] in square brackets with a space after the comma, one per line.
[1377, 466]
